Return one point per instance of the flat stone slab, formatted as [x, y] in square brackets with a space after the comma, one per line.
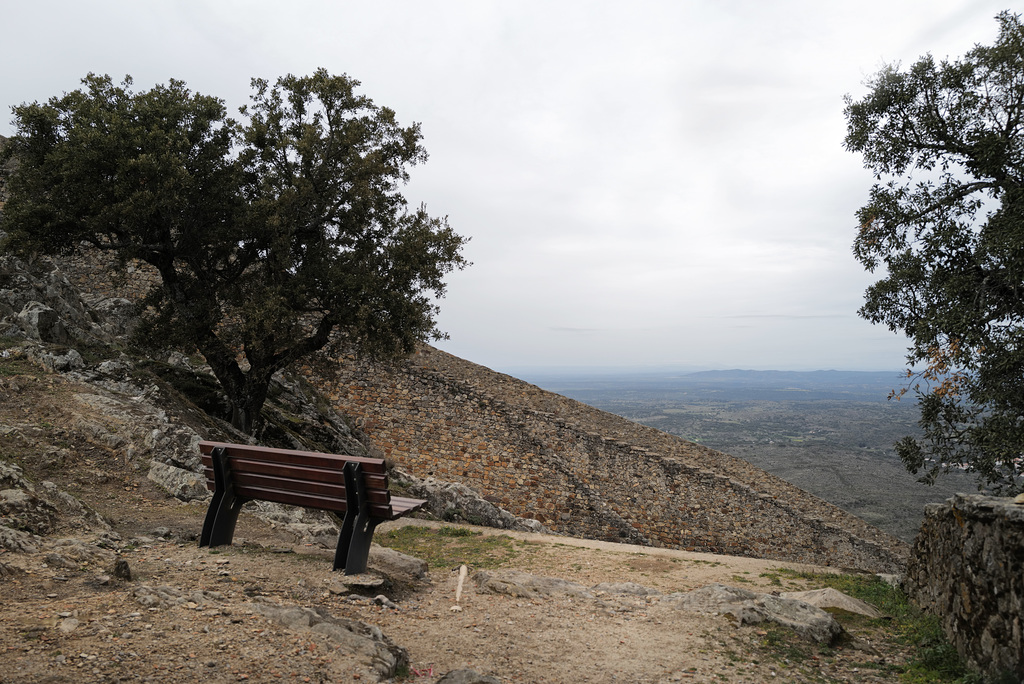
[833, 598]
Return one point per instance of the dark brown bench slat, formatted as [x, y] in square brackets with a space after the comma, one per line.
[294, 472]
[319, 502]
[256, 453]
[309, 480]
[329, 490]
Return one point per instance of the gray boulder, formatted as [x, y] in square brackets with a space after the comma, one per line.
[396, 565]
[458, 503]
[41, 322]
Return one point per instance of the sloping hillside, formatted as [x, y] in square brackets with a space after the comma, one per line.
[578, 470]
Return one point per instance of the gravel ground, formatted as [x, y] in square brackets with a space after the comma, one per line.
[188, 612]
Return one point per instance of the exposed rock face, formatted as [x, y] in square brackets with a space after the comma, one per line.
[456, 502]
[748, 607]
[739, 605]
[525, 585]
[38, 301]
[186, 485]
[40, 322]
[366, 641]
[28, 512]
[966, 569]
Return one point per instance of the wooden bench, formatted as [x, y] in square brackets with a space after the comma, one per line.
[350, 485]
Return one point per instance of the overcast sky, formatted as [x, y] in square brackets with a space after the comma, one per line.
[645, 184]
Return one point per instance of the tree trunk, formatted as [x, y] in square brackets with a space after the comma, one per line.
[247, 405]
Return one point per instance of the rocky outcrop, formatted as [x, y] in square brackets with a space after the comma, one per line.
[454, 502]
[366, 641]
[38, 301]
[29, 512]
[745, 607]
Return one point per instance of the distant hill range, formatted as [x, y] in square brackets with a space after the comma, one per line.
[820, 384]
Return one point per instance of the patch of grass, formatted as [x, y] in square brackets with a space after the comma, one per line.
[784, 646]
[713, 564]
[868, 588]
[16, 364]
[449, 546]
[933, 659]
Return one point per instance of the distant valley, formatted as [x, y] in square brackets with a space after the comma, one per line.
[830, 433]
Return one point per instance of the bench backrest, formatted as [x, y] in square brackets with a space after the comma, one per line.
[303, 478]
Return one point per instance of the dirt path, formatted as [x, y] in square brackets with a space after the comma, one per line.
[66, 621]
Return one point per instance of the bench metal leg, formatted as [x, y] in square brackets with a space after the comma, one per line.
[221, 517]
[357, 528]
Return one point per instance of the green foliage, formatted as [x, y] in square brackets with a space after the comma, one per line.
[199, 388]
[945, 223]
[273, 237]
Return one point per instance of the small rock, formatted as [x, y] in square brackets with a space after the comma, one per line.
[68, 625]
[382, 600]
[121, 570]
[361, 582]
[395, 564]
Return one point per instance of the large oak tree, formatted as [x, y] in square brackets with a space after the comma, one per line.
[273, 235]
[945, 226]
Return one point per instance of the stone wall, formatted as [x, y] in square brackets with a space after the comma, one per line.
[968, 569]
[95, 275]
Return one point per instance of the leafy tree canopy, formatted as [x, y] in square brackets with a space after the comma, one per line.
[272, 235]
[945, 226]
